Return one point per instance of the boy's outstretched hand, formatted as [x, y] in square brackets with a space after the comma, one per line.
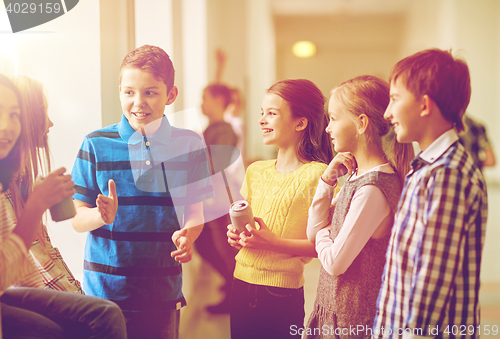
[184, 252]
[108, 205]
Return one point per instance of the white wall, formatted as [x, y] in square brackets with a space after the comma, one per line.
[226, 29]
[477, 35]
[64, 55]
[471, 29]
[194, 61]
[117, 39]
[261, 70]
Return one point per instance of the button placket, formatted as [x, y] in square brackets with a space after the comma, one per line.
[147, 171]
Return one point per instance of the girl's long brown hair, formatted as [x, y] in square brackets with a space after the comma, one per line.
[306, 101]
[37, 156]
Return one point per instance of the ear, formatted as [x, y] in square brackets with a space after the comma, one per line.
[172, 95]
[220, 100]
[363, 123]
[301, 124]
[427, 105]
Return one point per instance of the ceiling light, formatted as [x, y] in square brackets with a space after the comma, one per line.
[304, 49]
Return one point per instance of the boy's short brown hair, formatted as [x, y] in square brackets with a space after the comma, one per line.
[439, 75]
[154, 60]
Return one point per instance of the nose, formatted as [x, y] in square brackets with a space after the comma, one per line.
[327, 129]
[262, 120]
[387, 113]
[139, 101]
[49, 125]
[4, 122]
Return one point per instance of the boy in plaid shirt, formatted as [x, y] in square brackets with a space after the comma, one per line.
[431, 282]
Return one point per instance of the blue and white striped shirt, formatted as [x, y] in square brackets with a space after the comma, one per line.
[129, 260]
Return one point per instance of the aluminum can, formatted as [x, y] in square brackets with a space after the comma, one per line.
[241, 214]
[65, 209]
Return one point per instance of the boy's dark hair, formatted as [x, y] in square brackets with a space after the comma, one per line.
[439, 75]
[220, 90]
[11, 164]
[154, 60]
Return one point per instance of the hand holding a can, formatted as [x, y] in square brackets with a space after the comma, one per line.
[233, 237]
[261, 239]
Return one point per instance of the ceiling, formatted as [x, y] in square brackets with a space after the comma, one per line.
[336, 7]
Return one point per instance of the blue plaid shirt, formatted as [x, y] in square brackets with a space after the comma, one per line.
[431, 278]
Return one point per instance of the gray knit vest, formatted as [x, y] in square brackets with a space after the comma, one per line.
[352, 296]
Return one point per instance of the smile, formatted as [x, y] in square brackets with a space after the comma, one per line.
[266, 130]
[140, 114]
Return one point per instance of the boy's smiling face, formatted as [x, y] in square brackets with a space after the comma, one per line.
[404, 113]
[143, 98]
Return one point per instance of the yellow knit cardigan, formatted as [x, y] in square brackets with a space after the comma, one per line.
[282, 201]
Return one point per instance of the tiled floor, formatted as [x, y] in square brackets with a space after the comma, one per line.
[201, 287]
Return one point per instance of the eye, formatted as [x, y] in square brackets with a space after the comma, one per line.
[127, 92]
[14, 114]
[150, 93]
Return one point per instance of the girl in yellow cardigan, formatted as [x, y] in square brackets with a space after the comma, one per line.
[267, 298]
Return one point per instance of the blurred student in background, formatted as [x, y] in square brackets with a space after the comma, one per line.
[212, 243]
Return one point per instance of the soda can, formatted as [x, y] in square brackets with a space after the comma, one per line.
[63, 210]
[241, 214]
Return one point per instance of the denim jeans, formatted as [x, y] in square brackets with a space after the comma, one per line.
[43, 313]
[259, 311]
[153, 325]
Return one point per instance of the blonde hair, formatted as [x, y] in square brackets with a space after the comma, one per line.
[369, 95]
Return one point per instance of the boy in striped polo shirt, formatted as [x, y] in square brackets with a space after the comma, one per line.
[140, 186]
[430, 285]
